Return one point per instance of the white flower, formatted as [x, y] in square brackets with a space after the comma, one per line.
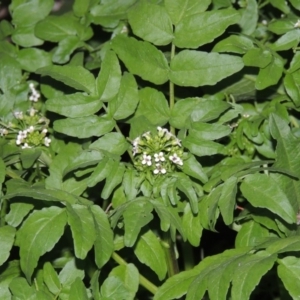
[175, 159]
[35, 95]
[146, 160]
[159, 157]
[32, 111]
[162, 131]
[136, 141]
[18, 115]
[47, 141]
[146, 135]
[26, 146]
[297, 24]
[159, 169]
[3, 131]
[30, 129]
[44, 131]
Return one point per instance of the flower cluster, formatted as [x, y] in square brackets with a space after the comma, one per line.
[27, 128]
[160, 153]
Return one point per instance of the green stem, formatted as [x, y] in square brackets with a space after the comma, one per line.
[171, 260]
[143, 281]
[171, 86]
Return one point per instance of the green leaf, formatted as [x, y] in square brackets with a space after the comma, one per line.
[289, 272]
[74, 105]
[208, 131]
[112, 142]
[150, 252]
[287, 41]
[250, 234]
[156, 28]
[80, 8]
[29, 13]
[249, 18]
[192, 226]
[101, 171]
[2, 171]
[17, 213]
[109, 14]
[142, 59]
[84, 127]
[202, 147]
[168, 216]
[7, 234]
[181, 112]
[257, 57]
[32, 59]
[295, 3]
[56, 28]
[193, 168]
[270, 75]
[24, 36]
[227, 200]
[125, 103]
[51, 278]
[70, 272]
[75, 76]
[29, 156]
[262, 191]
[208, 208]
[57, 168]
[234, 43]
[214, 274]
[43, 194]
[85, 158]
[196, 68]
[65, 49]
[176, 286]
[287, 158]
[21, 289]
[154, 106]
[202, 28]
[179, 9]
[94, 282]
[249, 273]
[122, 283]
[10, 72]
[281, 5]
[184, 184]
[281, 26]
[38, 235]
[292, 87]
[114, 178]
[131, 182]
[109, 78]
[104, 245]
[82, 226]
[78, 290]
[136, 216]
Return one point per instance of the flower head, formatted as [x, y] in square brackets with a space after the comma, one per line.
[151, 151]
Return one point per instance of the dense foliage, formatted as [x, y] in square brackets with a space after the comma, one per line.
[129, 129]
